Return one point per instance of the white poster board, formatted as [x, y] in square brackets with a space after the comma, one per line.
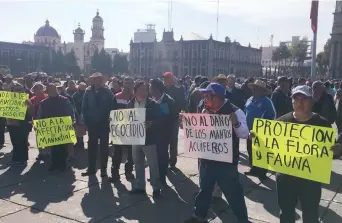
[127, 126]
[208, 136]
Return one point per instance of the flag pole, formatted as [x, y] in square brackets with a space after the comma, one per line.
[313, 62]
[314, 24]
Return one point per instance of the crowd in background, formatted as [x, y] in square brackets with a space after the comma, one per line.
[89, 101]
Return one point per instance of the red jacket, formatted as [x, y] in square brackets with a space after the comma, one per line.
[122, 99]
[36, 103]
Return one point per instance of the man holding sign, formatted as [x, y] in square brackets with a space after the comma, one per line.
[298, 147]
[52, 107]
[217, 168]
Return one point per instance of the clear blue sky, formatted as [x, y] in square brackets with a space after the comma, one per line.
[246, 21]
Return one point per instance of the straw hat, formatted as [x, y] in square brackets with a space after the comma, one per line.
[260, 85]
[96, 76]
[219, 77]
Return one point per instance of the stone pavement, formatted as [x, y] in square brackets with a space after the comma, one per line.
[31, 194]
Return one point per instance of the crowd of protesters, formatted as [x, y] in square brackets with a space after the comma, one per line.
[89, 101]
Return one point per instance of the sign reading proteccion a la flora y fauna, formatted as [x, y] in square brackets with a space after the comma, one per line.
[298, 150]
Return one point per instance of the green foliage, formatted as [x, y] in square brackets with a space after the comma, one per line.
[281, 53]
[102, 62]
[70, 62]
[323, 58]
[120, 64]
[299, 51]
[58, 65]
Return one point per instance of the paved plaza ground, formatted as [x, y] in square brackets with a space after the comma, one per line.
[32, 195]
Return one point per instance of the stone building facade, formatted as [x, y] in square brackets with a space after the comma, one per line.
[193, 57]
[22, 58]
[335, 67]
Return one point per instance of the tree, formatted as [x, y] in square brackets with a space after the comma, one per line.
[46, 65]
[281, 54]
[120, 64]
[102, 62]
[70, 62]
[58, 62]
[299, 51]
[323, 58]
[95, 60]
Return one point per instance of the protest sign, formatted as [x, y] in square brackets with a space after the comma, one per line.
[54, 131]
[294, 149]
[127, 126]
[208, 137]
[13, 105]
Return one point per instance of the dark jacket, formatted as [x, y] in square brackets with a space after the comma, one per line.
[236, 97]
[78, 99]
[339, 116]
[153, 113]
[227, 109]
[55, 107]
[247, 92]
[281, 102]
[96, 106]
[194, 100]
[169, 116]
[325, 107]
[178, 95]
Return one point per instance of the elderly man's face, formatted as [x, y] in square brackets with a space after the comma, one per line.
[317, 90]
[301, 103]
[230, 82]
[128, 84]
[168, 81]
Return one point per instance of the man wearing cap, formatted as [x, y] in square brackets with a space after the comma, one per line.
[281, 97]
[224, 174]
[258, 106]
[98, 101]
[290, 189]
[178, 95]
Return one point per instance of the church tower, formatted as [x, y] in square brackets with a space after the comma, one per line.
[97, 37]
[79, 46]
[335, 67]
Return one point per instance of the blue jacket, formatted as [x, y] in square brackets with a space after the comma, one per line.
[259, 108]
[96, 106]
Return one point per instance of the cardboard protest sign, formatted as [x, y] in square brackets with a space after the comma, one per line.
[208, 137]
[127, 126]
[54, 131]
[294, 149]
[13, 105]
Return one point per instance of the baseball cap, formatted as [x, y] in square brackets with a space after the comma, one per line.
[168, 74]
[214, 88]
[302, 89]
